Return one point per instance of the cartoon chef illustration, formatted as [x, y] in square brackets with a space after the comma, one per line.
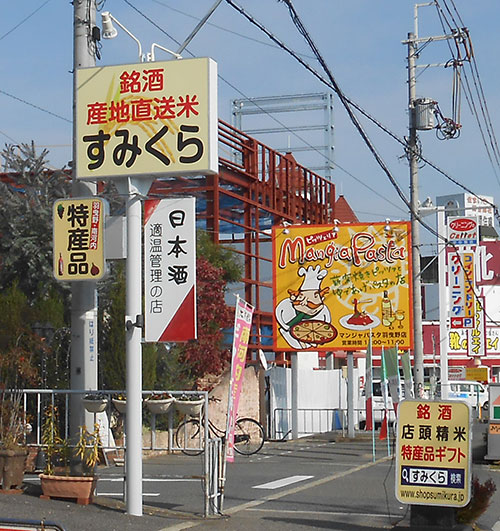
[305, 303]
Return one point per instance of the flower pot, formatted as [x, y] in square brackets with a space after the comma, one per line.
[12, 464]
[79, 488]
[158, 407]
[189, 407]
[121, 405]
[95, 406]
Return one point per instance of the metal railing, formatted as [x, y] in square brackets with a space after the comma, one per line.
[310, 420]
[214, 487]
[35, 402]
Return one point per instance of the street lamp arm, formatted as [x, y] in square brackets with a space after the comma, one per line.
[109, 32]
[155, 45]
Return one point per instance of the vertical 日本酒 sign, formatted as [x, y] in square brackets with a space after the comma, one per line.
[433, 453]
[78, 234]
[147, 119]
[170, 270]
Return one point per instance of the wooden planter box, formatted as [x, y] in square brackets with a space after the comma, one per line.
[79, 488]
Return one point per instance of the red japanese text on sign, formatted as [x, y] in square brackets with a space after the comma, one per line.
[242, 324]
[433, 452]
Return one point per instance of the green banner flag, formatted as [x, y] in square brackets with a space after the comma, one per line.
[391, 362]
[391, 373]
[407, 374]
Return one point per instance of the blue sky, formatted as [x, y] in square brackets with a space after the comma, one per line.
[359, 39]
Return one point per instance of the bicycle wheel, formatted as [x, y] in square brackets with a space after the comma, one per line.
[248, 436]
[189, 437]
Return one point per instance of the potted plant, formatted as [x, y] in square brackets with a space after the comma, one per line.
[13, 451]
[159, 403]
[69, 471]
[95, 402]
[189, 404]
[120, 402]
[480, 499]
[16, 370]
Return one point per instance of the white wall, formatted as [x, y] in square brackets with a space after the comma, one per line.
[323, 391]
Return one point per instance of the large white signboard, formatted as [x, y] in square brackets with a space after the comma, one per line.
[147, 119]
[170, 270]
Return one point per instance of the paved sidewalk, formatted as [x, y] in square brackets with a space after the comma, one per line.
[319, 504]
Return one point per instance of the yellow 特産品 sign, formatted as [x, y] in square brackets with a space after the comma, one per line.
[79, 239]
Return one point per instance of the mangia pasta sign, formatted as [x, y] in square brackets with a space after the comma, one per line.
[333, 284]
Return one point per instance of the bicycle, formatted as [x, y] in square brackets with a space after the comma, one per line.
[248, 435]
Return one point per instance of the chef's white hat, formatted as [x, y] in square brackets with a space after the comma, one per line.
[312, 277]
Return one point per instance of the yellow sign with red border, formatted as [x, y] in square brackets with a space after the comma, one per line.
[334, 285]
[433, 453]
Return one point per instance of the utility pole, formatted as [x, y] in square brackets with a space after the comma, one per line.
[418, 350]
[84, 351]
[418, 120]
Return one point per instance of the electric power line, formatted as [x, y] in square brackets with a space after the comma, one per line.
[24, 20]
[493, 151]
[348, 101]
[294, 133]
[35, 106]
[263, 43]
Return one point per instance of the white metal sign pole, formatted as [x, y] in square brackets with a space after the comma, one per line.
[295, 395]
[350, 393]
[134, 358]
[443, 304]
[134, 188]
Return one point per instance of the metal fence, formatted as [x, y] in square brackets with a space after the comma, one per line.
[310, 421]
[214, 487]
[111, 420]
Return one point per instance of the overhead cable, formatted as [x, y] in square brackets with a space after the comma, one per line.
[294, 133]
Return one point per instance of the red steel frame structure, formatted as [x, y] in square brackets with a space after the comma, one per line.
[256, 187]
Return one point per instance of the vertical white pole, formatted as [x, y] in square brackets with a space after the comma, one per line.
[371, 394]
[295, 396]
[350, 394]
[134, 357]
[83, 372]
[418, 351]
[443, 304]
